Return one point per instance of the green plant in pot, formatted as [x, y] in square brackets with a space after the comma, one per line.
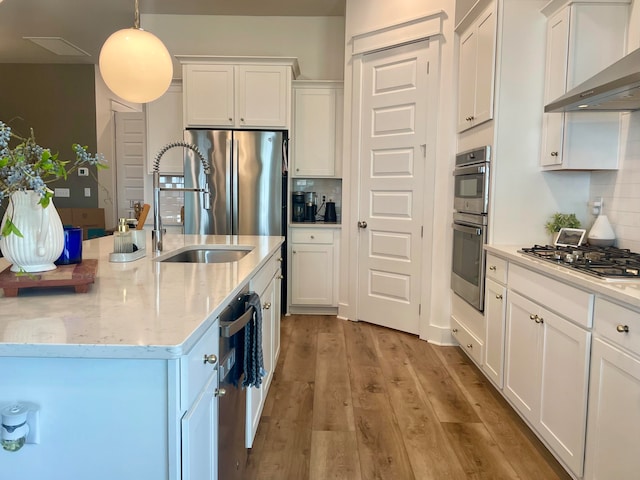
[561, 220]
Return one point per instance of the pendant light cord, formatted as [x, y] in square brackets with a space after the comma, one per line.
[136, 21]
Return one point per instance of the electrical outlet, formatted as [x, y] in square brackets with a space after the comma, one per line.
[62, 192]
[83, 172]
[87, 192]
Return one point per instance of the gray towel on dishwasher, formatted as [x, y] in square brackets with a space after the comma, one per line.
[253, 359]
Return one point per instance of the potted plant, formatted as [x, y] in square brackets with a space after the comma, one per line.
[561, 220]
[31, 234]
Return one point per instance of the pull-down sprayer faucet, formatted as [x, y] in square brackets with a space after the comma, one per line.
[157, 233]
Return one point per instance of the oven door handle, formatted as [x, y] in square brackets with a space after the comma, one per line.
[467, 229]
[471, 169]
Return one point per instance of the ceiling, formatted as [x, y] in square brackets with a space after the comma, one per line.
[87, 23]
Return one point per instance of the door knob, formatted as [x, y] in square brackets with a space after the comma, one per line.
[220, 392]
[362, 224]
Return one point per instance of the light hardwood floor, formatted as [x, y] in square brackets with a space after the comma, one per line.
[352, 401]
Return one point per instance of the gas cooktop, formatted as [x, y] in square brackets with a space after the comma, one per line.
[608, 263]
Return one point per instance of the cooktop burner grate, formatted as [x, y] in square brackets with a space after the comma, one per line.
[604, 262]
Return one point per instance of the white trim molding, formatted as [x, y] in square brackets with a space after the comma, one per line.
[394, 35]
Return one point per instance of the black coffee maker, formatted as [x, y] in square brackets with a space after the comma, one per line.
[330, 212]
[297, 207]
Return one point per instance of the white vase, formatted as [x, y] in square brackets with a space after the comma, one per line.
[42, 238]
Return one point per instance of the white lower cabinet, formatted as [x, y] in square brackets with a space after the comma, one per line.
[267, 284]
[199, 425]
[546, 371]
[614, 394]
[313, 269]
[494, 315]
[199, 435]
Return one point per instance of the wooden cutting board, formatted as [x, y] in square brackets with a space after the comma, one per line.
[78, 276]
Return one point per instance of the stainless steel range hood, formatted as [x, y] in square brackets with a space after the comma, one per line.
[615, 89]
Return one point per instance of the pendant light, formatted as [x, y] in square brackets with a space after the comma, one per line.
[135, 64]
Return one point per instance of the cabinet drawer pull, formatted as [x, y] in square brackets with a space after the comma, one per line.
[622, 329]
[210, 359]
[455, 330]
[241, 119]
[469, 345]
[493, 268]
[312, 237]
[499, 297]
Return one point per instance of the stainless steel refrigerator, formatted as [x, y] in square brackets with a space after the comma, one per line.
[248, 194]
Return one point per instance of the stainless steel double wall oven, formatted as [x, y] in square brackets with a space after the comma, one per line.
[471, 204]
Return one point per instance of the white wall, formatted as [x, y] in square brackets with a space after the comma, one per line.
[317, 42]
[620, 189]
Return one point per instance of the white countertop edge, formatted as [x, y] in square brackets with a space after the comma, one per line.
[314, 225]
[625, 291]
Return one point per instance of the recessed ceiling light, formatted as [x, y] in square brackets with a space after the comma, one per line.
[58, 45]
[583, 106]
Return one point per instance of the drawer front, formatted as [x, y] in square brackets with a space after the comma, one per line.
[572, 303]
[497, 269]
[261, 280]
[305, 235]
[468, 341]
[195, 370]
[618, 324]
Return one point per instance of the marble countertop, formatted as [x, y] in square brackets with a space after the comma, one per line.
[625, 291]
[139, 309]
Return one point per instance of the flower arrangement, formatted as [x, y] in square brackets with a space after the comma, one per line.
[561, 220]
[28, 166]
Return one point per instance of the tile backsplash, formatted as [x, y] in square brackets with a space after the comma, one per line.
[331, 188]
[171, 202]
[620, 189]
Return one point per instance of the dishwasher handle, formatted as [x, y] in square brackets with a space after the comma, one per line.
[229, 329]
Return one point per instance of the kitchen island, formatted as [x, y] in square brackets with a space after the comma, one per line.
[118, 372]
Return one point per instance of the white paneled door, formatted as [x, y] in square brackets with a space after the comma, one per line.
[392, 166]
[130, 137]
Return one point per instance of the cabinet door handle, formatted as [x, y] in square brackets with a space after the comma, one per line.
[499, 297]
[280, 277]
[539, 319]
[554, 154]
[241, 119]
[469, 345]
[362, 224]
[210, 359]
[622, 329]
[455, 330]
[533, 317]
[312, 237]
[220, 392]
[280, 259]
[493, 268]
[230, 119]
[266, 306]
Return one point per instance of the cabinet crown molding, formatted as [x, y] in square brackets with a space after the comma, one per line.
[205, 59]
[554, 5]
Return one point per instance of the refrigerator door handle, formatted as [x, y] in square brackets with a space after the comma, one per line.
[235, 188]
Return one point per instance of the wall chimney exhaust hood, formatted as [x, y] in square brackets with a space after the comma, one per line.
[615, 89]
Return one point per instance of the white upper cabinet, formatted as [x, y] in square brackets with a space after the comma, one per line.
[237, 95]
[582, 39]
[164, 125]
[317, 129]
[476, 72]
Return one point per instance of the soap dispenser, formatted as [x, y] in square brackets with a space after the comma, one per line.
[122, 238]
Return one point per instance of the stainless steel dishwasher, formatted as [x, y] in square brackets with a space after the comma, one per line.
[232, 454]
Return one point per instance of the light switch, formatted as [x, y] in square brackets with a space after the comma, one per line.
[62, 192]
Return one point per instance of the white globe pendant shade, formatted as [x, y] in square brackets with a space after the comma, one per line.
[136, 65]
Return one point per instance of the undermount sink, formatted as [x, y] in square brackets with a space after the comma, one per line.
[207, 254]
